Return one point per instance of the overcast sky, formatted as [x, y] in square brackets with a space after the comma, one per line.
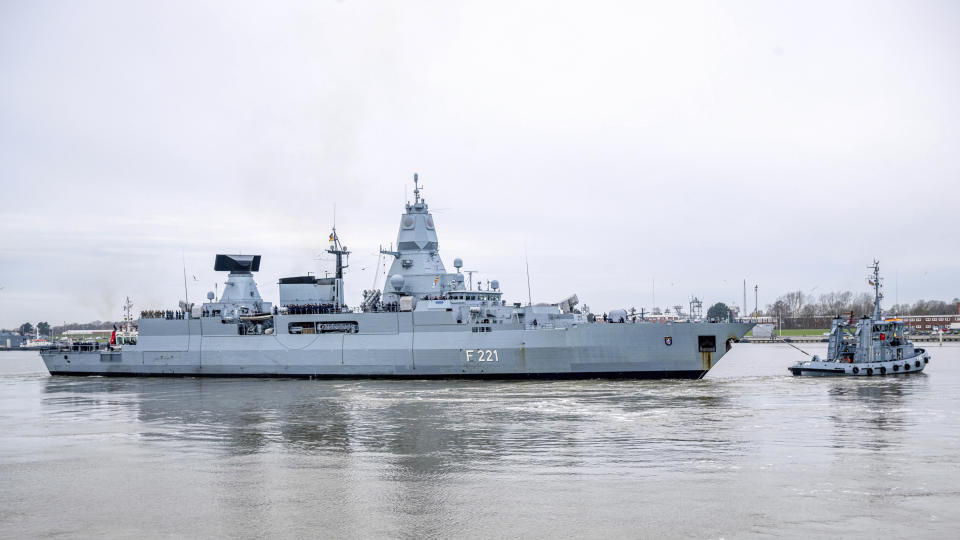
[696, 144]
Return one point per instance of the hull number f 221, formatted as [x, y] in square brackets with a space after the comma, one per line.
[482, 355]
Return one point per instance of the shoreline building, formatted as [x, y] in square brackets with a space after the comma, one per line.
[11, 340]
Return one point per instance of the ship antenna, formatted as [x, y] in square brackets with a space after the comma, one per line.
[186, 296]
[527, 260]
[416, 188]
[875, 281]
[469, 274]
[376, 272]
[756, 302]
[339, 251]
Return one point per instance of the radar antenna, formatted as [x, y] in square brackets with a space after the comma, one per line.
[416, 188]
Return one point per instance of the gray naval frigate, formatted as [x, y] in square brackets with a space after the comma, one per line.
[425, 323]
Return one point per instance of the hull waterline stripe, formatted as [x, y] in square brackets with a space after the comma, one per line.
[684, 374]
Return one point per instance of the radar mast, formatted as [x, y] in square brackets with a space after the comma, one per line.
[877, 295]
[340, 252]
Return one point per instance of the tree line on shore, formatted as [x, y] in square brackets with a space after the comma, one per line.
[797, 304]
[44, 328]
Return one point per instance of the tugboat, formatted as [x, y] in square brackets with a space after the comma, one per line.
[872, 346]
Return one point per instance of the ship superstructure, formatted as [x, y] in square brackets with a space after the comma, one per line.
[425, 322]
[127, 333]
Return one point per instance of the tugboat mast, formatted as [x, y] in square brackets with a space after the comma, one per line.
[877, 295]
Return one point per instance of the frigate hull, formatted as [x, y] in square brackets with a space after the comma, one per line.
[409, 345]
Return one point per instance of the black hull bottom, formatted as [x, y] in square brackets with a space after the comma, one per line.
[797, 371]
[685, 374]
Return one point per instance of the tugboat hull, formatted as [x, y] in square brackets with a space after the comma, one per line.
[827, 368]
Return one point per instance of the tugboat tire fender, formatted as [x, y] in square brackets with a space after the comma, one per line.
[896, 367]
[869, 371]
[856, 369]
[883, 370]
[906, 367]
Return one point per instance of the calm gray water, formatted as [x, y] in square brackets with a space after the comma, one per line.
[749, 451]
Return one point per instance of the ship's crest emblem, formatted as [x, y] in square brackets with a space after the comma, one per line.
[668, 341]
